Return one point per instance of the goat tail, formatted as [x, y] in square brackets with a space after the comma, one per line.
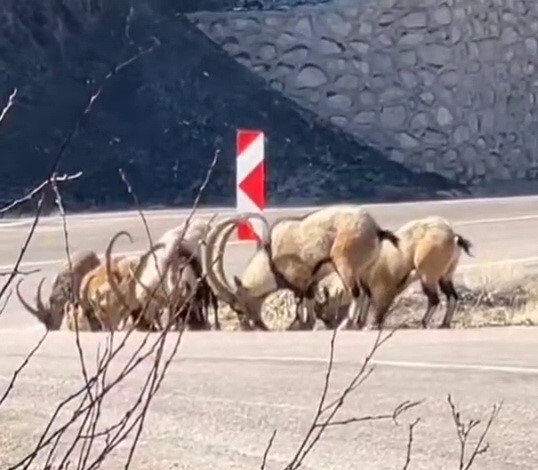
[388, 235]
[465, 244]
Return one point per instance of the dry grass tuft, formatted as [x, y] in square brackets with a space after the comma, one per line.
[492, 295]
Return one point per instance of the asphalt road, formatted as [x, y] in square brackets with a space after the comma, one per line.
[220, 403]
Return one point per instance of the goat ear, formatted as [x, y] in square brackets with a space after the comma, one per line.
[238, 282]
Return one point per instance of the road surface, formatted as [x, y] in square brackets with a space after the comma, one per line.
[221, 402]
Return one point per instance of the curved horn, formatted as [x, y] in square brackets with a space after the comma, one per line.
[141, 265]
[40, 305]
[110, 277]
[218, 286]
[36, 311]
[216, 277]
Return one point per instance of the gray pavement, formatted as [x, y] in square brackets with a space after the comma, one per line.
[221, 401]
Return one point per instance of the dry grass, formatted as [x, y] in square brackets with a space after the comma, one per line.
[493, 295]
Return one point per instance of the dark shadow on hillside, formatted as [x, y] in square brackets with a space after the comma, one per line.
[162, 117]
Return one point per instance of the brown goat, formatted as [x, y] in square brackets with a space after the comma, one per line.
[429, 251]
[65, 288]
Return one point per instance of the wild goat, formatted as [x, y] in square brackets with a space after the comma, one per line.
[172, 280]
[65, 286]
[96, 305]
[429, 250]
[345, 238]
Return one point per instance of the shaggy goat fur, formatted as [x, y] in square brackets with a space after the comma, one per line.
[171, 281]
[299, 251]
[65, 288]
[429, 251]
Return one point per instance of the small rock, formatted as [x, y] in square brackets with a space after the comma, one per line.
[303, 27]
[365, 117]
[411, 39]
[444, 117]
[449, 78]
[407, 141]
[427, 98]
[393, 117]
[461, 134]
[408, 78]
[339, 101]
[415, 20]
[359, 46]
[267, 51]
[435, 54]
[295, 54]
[340, 121]
[532, 46]
[391, 94]
[347, 82]
[338, 25]
[311, 76]
[367, 98]
[419, 122]
[442, 15]
[408, 57]
[509, 36]
[329, 46]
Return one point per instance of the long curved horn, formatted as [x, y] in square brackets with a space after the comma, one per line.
[141, 265]
[33, 310]
[221, 290]
[108, 263]
[215, 274]
[40, 305]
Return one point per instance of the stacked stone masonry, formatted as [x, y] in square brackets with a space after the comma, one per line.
[449, 86]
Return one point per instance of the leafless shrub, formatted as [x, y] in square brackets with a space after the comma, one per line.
[464, 430]
[325, 414]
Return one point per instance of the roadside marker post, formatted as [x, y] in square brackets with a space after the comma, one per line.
[250, 181]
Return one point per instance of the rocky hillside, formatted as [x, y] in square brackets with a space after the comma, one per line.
[161, 118]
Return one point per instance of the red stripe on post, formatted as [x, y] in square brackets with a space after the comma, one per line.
[250, 179]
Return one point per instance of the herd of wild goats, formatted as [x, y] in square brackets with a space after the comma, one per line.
[339, 252]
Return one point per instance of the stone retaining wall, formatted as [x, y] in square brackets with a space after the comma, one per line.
[440, 85]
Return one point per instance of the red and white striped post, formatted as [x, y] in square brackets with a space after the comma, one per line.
[250, 181]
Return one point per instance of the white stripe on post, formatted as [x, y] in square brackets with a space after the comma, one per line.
[250, 181]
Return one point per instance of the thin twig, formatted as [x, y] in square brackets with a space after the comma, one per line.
[21, 367]
[463, 431]
[410, 444]
[40, 187]
[8, 105]
[267, 449]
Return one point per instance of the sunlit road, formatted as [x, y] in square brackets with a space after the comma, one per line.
[218, 407]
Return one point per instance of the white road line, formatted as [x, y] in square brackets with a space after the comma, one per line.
[404, 364]
[46, 262]
[465, 267]
[171, 212]
[496, 220]
[54, 228]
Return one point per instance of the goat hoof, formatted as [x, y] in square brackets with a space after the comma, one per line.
[444, 326]
[424, 324]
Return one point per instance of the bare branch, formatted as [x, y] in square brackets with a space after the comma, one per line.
[400, 409]
[40, 187]
[325, 414]
[8, 105]
[21, 367]
[410, 444]
[463, 431]
[267, 449]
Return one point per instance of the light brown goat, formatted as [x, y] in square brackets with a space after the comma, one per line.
[345, 238]
[429, 251]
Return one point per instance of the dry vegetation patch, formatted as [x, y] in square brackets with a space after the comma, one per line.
[493, 295]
